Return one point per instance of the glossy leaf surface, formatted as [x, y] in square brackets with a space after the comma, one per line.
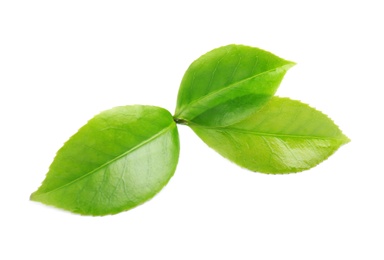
[282, 137]
[118, 160]
[228, 84]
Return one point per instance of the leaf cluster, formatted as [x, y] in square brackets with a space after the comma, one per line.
[124, 156]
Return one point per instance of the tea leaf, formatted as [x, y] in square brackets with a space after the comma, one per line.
[282, 137]
[228, 84]
[118, 160]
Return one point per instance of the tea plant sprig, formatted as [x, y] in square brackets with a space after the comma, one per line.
[124, 156]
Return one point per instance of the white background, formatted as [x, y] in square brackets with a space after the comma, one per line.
[62, 62]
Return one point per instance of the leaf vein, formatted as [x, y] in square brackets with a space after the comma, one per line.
[225, 88]
[277, 135]
[112, 160]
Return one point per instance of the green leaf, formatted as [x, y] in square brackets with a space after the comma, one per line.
[228, 84]
[282, 137]
[118, 160]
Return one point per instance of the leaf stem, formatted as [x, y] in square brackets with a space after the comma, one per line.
[180, 121]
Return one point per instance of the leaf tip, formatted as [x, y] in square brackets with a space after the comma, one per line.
[345, 139]
[35, 196]
[32, 197]
[289, 64]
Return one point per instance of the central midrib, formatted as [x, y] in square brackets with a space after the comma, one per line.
[110, 161]
[185, 109]
[277, 135]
